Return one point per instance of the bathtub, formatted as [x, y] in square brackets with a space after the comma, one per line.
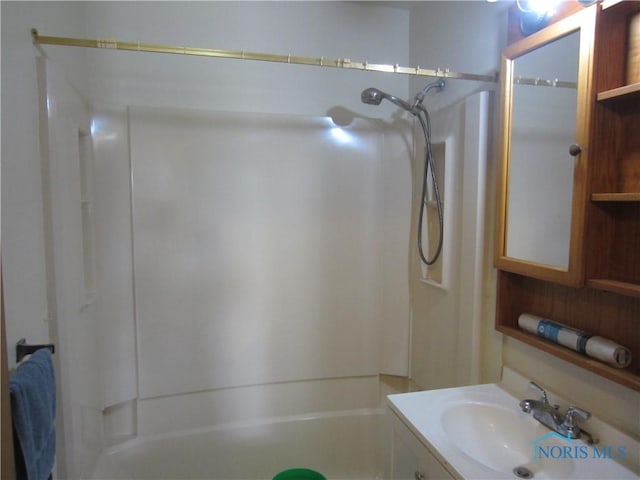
[348, 444]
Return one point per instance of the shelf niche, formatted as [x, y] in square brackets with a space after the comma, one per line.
[596, 311]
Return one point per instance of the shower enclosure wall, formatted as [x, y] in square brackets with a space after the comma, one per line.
[266, 249]
[237, 279]
[282, 291]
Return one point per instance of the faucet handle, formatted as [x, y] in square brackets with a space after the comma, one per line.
[570, 422]
[573, 412]
[534, 386]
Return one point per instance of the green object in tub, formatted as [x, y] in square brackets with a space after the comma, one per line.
[299, 474]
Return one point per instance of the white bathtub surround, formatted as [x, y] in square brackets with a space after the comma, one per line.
[336, 426]
[266, 248]
[194, 410]
[447, 304]
[340, 445]
[290, 327]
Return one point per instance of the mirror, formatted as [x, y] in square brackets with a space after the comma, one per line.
[540, 169]
[545, 103]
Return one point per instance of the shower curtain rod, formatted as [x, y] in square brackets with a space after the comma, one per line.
[265, 57]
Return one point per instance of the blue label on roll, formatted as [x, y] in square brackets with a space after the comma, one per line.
[548, 330]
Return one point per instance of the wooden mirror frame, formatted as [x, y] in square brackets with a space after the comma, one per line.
[574, 273]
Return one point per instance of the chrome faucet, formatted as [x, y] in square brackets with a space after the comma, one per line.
[550, 416]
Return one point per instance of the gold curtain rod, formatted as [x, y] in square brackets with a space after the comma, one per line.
[264, 57]
[539, 82]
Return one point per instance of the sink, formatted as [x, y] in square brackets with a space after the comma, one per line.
[501, 439]
[479, 432]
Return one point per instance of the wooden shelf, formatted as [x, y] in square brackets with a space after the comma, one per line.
[615, 286]
[622, 6]
[625, 377]
[626, 91]
[616, 197]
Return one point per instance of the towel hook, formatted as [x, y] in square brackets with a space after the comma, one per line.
[22, 349]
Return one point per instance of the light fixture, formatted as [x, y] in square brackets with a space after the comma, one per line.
[535, 14]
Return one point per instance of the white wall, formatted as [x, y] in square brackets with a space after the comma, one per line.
[356, 30]
[464, 37]
[23, 259]
[67, 197]
[28, 310]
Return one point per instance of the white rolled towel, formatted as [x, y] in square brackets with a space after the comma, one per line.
[594, 346]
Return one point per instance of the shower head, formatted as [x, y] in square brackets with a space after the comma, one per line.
[373, 96]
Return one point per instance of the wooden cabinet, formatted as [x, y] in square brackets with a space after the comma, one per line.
[607, 300]
[613, 212]
[542, 182]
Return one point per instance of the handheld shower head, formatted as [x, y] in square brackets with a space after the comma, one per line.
[373, 96]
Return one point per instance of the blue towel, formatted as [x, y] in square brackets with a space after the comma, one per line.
[33, 404]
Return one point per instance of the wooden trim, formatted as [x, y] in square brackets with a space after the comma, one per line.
[584, 21]
[621, 376]
[594, 310]
[8, 471]
[616, 197]
[615, 286]
[615, 93]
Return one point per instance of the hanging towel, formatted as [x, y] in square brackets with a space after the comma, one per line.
[33, 404]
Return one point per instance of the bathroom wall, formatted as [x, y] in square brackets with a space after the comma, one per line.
[22, 223]
[464, 37]
[116, 79]
[471, 36]
[28, 294]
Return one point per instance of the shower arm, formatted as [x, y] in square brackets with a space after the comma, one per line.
[417, 100]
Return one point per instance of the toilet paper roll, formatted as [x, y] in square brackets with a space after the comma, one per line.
[596, 347]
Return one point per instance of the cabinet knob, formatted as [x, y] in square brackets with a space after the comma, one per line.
[419, 476]
[575, 150]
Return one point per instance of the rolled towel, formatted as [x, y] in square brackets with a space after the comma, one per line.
[580, 341]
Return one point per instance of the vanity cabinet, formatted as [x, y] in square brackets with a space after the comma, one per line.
[410, 459]
[604, 299]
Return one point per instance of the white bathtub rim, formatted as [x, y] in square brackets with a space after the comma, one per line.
[252, 423]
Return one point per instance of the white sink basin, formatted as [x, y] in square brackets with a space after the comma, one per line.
[480, 432]
[501, 439]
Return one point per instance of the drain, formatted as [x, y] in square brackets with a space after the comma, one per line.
[523, 472]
